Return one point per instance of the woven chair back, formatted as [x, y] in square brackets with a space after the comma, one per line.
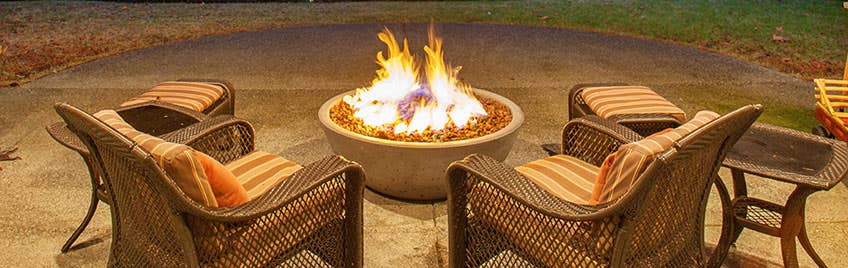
[147, 230]
[668, 224]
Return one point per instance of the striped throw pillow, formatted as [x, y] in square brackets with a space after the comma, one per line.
[617, 100]
[631, 159]
[192, 95]
[179, 161]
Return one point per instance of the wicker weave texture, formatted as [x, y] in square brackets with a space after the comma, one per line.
[498, 218]
[312, 219]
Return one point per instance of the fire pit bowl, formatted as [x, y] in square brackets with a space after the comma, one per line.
[415, 170]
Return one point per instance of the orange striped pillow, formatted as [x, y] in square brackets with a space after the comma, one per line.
[633, 158]
[178, 160]
[226, 187]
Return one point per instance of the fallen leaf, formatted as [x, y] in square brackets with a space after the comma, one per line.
[779, 28]
[4, 155]
[3, 50]
[543, 17]
[777, 38]
[125, 8]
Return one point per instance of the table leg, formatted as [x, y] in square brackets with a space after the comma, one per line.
[740, 188]
[92, 207]
[787, 249]
[727, 225]
[792, 226]
[805, 243]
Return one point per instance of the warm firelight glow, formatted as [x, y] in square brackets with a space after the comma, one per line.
[399, 101]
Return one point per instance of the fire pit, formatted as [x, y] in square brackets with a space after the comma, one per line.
[405, 130]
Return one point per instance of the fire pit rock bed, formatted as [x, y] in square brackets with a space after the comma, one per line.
[416, 170]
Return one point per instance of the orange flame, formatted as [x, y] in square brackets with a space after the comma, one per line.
[398, 101]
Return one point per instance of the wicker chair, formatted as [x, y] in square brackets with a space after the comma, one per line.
[313, 218]
[499, 218]
[155, 118]
[644, 124]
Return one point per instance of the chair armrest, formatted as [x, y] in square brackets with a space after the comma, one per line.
[592, 138]
[224, 138]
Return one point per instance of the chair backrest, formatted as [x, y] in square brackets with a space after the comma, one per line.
[665, 226]
[147, 229]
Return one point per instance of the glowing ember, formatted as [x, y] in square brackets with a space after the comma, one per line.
[399, 102]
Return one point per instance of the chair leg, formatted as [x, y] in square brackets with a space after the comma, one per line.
[805, 243]
[787, 249]
[728, 230]
[92, 207]
[740, 188]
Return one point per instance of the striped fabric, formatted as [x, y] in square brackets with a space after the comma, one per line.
[563, 176]
[617, 100]
[178, 160]
[192, 95]
[259, 171]
[633, 158]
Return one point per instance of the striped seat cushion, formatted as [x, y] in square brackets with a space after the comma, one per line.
[259, 171]
[177, 160]
[633, 158]
[563, 176]
[617, 100]
[192, 95]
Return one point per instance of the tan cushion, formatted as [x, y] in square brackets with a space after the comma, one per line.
[178, 160]
[631, 159]
[259, 171]
[192, 95]
[563, 176]
[617, 100]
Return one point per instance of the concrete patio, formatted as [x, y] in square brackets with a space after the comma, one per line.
[282, 76]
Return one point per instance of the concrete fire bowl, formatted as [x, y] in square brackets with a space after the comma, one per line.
[415, 170]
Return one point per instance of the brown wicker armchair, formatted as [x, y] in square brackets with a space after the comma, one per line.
[156, 118]
[499, 218]
[313, 218]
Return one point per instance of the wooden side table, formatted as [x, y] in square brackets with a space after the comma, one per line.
[811, 163]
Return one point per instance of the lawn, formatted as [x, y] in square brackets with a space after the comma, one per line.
[44, 37]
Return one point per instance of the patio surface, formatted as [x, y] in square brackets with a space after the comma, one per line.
[282, 76]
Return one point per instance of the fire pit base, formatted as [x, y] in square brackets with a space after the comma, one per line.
[415, 170]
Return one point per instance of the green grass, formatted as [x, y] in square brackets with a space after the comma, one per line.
[723, 100]
[44, 37]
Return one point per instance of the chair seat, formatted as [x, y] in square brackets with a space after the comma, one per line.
[196, 96]
[259, 171]
[563, 176]
[609, 101]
